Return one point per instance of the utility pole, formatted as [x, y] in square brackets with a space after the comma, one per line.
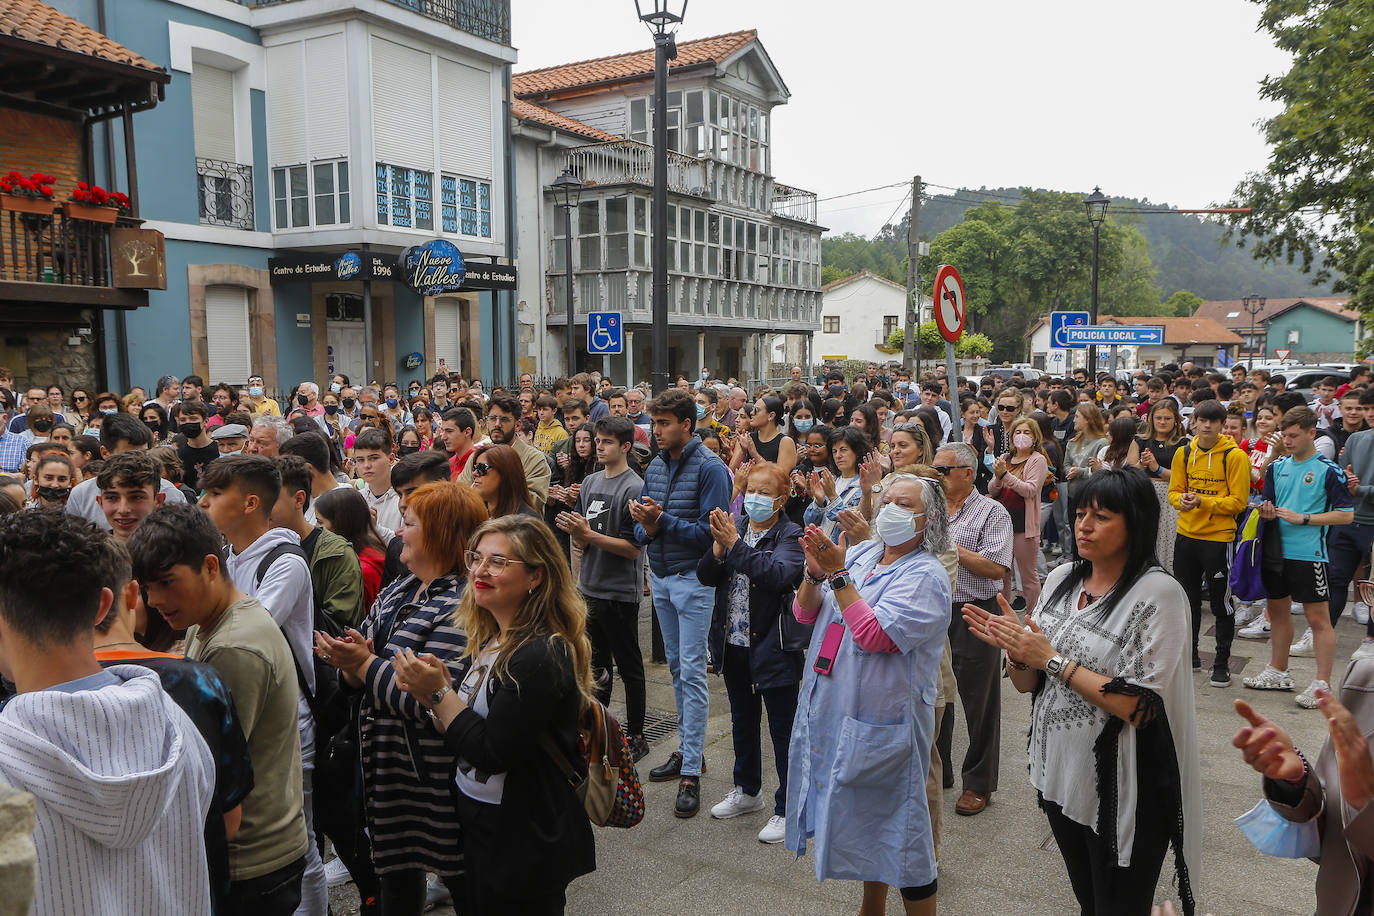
[913, 279]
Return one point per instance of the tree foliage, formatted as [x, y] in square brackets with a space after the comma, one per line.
[1182, 304]
[972, 346]
[1317, 192]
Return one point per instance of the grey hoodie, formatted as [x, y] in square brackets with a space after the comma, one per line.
[123, 782]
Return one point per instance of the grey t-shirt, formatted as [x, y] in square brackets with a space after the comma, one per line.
[605, 503]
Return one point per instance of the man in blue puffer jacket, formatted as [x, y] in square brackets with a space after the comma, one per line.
[682, 485]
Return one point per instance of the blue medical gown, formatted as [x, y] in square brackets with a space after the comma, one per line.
[860, 752]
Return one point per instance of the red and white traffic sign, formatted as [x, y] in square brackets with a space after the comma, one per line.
[1283, 353]
[950, 310]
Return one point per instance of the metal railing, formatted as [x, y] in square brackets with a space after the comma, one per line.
[489, 19]
[54, 248]
[631, 162]
[224, 191]
[709, 298]
[794, 203]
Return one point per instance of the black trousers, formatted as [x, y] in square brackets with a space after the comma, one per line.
[403, 892]
[746, 710]
[276, 893]
[978, 671]
[1102, 887]
[1195, 560]
[613, 628]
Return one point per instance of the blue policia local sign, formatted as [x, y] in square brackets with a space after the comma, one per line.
[433, 268]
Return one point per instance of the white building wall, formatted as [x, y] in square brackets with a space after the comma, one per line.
[860, 305]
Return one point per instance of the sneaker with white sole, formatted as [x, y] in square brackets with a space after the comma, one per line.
[1246, 614]
[774, 831]
[737, 802]
[1365, 649]
[1308, 698]
[1302, 646]
[1257, 630]
[1270, 678]
[1360, 611]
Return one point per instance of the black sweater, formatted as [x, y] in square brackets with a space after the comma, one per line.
[539, 836]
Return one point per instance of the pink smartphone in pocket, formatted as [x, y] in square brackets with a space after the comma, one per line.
[830, 646]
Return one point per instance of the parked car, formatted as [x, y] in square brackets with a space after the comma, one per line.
[1303, 379]
[1006, 372]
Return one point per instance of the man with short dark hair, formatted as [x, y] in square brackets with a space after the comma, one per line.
[120, 432]
[581, 388]
[128, 491]
[1303, 493]
[176, 558]
[601, 524]
[201, 693]
[121, 781]
[1209, 484]
[683, 483]
[314, 448]
[372, 458]
[457, 430]
[198, 449]
[266, 562]
[192, 388]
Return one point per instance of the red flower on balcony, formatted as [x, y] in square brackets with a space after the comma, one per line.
[94, 195]
[37, 185]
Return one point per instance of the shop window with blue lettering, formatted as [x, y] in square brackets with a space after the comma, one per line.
[448, 203]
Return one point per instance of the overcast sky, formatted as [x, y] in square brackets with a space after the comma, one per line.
[1153, 100]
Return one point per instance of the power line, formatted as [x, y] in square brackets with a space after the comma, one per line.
[895, 184]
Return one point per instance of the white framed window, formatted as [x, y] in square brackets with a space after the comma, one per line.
[330, 184]
[465, 206]
[830, 324]
[226, 331]
[316, 194]
[405, 197]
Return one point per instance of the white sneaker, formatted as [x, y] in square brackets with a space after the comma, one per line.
[436, 893]
[1246, 613]
[335, 873]
[1270, 678]
[1308, 698]
[1296, 609]
[1257, 630]
[1302, 647]
[1360, 611]
[736, 803]
[774, 831]
[1365, 649]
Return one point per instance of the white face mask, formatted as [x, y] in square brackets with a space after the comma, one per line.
[895, 525]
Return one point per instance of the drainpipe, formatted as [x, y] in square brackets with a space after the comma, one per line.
[539, 257]
[511, 296]
[121, 324]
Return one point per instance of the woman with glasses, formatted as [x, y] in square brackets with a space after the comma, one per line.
[910, 452]
[813, 453]
[498, 477]
[411, 813]
[1113, 743]
[860, 752]
[511, 720]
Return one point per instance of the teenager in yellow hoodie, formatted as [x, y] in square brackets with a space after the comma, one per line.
[1209, 483]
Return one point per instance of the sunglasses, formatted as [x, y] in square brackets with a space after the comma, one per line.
[481, 470]
[1006, 408]
[80, 397]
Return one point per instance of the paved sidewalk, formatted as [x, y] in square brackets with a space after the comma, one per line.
[671, 866]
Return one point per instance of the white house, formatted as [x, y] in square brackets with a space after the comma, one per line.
[858, 314]
[744, 249]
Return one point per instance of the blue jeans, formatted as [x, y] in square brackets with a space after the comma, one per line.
[1347, 547]
[684, 606]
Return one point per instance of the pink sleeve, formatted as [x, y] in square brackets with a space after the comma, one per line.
[802, 614]
[868, 634]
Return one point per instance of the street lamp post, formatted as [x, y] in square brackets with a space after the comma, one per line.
[567, 191]
[1254, 304]
[662, 17]
[1097, 212]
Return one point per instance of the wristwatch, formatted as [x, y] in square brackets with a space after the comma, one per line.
[1307, 518]
[876, 488]
[840, 579]
[438, 695]
[1055, 666]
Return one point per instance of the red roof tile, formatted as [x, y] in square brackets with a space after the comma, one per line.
[1220, 309]
[624, 67]
[30, 20]
[528, 111]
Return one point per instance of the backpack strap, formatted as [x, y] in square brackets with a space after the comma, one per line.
[276, 553]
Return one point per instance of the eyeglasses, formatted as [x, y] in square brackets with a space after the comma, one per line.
[499, 418]
[494, 564]
[944, 469]
[481, 470]
[80, 397]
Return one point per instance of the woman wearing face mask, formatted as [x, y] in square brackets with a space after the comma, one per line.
[861, 740]
[1017, 479]
[53, 476]
[395, 411]
[408, 442]
[754, 565]
[41, 421]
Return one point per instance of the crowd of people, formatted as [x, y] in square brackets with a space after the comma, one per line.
[373, 620]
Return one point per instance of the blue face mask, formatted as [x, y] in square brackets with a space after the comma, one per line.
[758, 506]
[1276, 836]
[803, 425]
[108, 410]
[701, 411]
[392, 402]
[331, 409]
[255, 391]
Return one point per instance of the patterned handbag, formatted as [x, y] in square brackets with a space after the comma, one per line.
[610, 791]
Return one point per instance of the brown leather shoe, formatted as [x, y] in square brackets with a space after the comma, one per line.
[970, 803]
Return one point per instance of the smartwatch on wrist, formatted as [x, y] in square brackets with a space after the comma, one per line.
[840, 579]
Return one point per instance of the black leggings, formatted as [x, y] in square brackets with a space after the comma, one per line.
[924, 892]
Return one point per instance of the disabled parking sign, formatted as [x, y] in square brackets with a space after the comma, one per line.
[605, 334]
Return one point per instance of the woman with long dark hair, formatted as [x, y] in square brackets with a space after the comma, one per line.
[836, 488]
[813, 453]
[345, 512]
[498, 476]
[1113, 742]
[1163, 436]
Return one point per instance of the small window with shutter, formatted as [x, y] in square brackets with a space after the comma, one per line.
[227, 336]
